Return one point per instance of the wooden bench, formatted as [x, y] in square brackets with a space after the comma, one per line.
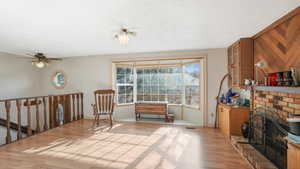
[154, 108]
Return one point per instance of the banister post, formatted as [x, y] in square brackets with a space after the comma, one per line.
[78, 103]
[37, 116]
[45, 114]
[81, 99]
[18, 104]
[7, 108]
[29, 131]
[73, 107]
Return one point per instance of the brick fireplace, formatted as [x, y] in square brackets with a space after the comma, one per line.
[282, 102]
[269, 128]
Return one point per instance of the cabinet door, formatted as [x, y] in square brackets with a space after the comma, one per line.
[236, 65]
[293, 157]
[226, 113]
[224, 120]
[230, 64]
[221, 118]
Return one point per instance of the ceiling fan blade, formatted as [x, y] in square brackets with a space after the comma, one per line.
[133, 33]
[55, 59]
[29, 54]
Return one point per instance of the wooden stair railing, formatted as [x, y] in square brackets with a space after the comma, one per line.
[46, 113]
[14, 126]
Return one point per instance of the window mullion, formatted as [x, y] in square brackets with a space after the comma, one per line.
[183, 85]
[134, 85]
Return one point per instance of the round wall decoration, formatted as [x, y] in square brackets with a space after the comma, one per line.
[59, 79]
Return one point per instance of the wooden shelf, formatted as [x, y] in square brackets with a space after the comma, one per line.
[282, 89]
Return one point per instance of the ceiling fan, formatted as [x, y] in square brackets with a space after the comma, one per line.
[40, 60]
[123, 35]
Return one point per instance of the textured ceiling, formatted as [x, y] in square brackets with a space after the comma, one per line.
[64, 28]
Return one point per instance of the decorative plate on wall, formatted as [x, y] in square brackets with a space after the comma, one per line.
[59, 79]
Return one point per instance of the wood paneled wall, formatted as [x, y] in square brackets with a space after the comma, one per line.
[278, 45]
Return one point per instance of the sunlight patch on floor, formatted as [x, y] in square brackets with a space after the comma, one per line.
[115, 150]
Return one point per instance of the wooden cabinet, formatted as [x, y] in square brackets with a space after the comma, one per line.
[231, 119]
[293, 156]
[240, 62]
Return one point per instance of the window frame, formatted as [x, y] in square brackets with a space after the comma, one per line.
[116, 84]
[158, 67]
[134, 68]
[201, 69]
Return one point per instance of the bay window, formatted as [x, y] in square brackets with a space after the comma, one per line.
[159, 84]
[177, 84]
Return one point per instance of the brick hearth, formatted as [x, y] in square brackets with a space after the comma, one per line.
[250, 154]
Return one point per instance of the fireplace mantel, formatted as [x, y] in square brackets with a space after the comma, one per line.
[278, 89]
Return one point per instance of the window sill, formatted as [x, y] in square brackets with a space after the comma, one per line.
[191, 107]
[122, 105]
[186, 106]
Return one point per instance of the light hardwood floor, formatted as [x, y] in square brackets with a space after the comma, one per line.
[79, 145]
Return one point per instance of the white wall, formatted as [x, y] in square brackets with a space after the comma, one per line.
[18, 77]
[89, 73]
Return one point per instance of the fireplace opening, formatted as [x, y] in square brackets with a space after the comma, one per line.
[267, 135]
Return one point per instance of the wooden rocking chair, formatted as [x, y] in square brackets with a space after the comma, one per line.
[104, 104]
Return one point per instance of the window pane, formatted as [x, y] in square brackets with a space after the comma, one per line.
[125, 84]
[147, 71]
[192, 88]
[140, 89]
[120, 78]
[177, 99]
[147, 79]
[192, 74]
[140, 98]
[153, 84]
[162, 98]
[129, 71]
[121, 99]
[195, 101]
[155, 98]
[139, 71]
[147, 98]
[129, 90]
[129, 98]
[121, 70]
[162, 90]
[147, 90]
[139, 80]
[129, 79]
[154, 90]
[121, 90]
[163, 70]
[171, 99]
[154, 79]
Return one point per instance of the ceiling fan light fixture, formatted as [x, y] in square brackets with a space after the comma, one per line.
[123, 38]
[39, 64]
